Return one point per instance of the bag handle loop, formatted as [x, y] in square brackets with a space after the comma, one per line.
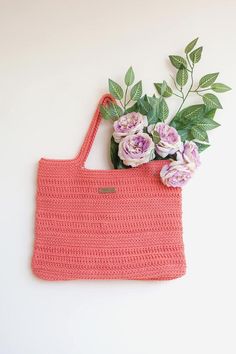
[92, 130]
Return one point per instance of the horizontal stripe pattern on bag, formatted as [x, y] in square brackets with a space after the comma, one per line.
[106, 224]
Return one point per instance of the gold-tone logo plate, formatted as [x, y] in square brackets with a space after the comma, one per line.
[106, 190]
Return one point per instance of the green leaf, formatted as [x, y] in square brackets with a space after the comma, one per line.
[190, 46]
[166, 93]
[199, 133]
[153, 114]
[129, 77]
[208, 124]
[163, 110]
[153, 100]
[192, 112]
[144, 105]
[202, 147]
[136, 91]
[185, 134]
[188, 116]
[155, 137]
[115, 110]
[152, 117]
[114, 153]
[163, 87]
[144, 98]
[177, 61]
[208, 80]
[182, 76]
[218, 87]
[211, 101]
[195, 56]
[115, 89]
[210, 113]
[105, 112]
[133, 108]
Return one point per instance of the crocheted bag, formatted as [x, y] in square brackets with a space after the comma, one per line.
[106, 224]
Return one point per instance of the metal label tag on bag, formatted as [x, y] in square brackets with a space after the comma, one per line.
[106, 190]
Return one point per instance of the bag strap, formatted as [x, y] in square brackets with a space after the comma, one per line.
[92, 130]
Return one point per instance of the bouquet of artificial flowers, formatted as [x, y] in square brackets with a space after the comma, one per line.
[144, 129]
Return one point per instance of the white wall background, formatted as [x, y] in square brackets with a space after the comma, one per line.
[55, 58]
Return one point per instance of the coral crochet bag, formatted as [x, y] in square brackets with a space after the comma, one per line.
[106, 224]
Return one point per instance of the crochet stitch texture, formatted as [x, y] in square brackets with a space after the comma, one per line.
[106, 224]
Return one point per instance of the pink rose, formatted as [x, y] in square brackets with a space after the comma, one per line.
[136, 149]
[170, 141]
[130, 123]
[190, 155]
[176, 174]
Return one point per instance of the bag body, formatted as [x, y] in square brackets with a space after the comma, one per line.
[106, 224]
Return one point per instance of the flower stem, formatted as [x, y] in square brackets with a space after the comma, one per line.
[189, 90]
[176, 94]
[122, 104]
[189, 63]
[126, 90]
[128, 102]
[177, 89]
[207, 89]
[197, 92]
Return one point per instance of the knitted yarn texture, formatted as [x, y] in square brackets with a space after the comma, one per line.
[106, 224]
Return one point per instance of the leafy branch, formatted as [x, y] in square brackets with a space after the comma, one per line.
[186, 67]
[191, 122]
[114, 111]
